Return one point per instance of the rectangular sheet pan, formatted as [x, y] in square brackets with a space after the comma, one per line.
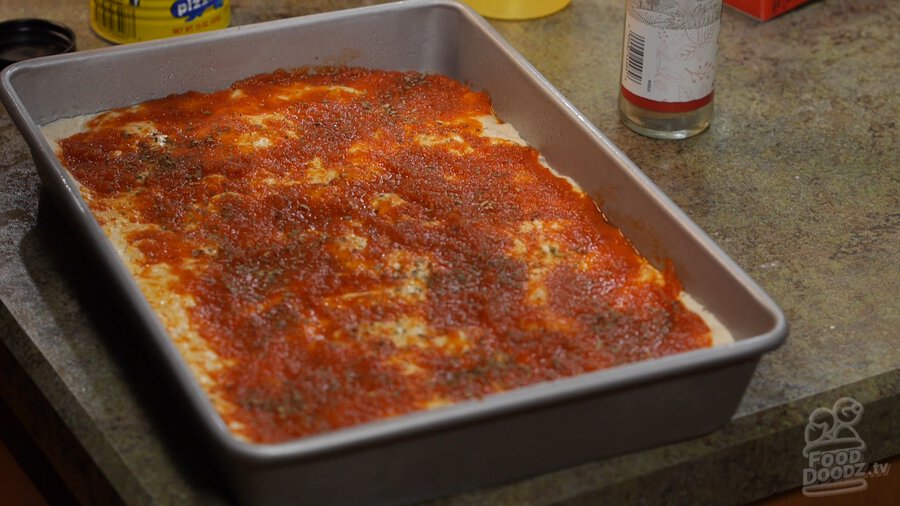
[505, 436]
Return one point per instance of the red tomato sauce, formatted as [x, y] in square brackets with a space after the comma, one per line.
[275, 287]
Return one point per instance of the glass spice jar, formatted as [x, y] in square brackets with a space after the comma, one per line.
[669, 66]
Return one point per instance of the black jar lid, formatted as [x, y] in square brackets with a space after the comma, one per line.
[22, 39]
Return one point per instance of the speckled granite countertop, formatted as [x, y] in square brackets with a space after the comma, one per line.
[798, 179]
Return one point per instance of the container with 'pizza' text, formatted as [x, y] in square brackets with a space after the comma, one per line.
[124, 21]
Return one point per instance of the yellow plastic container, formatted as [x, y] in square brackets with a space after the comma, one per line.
[516, 9]
[123, 21]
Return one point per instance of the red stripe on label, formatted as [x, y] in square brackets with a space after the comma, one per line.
[653, 105]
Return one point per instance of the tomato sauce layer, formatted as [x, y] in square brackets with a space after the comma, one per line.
[355, 245]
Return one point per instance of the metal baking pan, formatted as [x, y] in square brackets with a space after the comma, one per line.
[502, 437]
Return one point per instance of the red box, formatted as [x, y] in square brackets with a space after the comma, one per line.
[765, 9]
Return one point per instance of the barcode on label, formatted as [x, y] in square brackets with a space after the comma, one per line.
[634, 57]
[116, 17]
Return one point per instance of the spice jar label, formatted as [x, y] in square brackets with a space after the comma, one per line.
[670, 50]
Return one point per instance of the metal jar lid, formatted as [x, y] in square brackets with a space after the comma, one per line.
[22, 39]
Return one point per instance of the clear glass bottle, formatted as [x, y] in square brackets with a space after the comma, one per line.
[669, 66]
